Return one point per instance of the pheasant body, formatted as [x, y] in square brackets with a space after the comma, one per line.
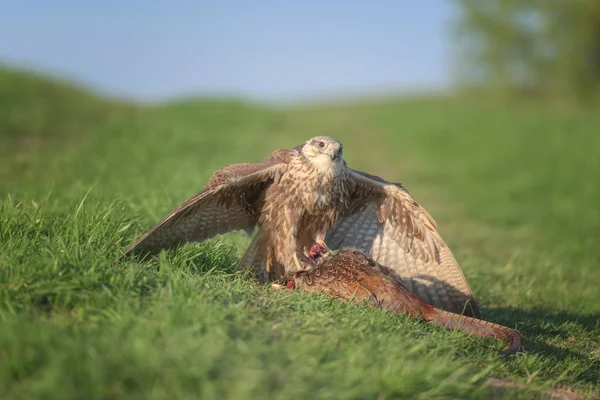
[352, 275]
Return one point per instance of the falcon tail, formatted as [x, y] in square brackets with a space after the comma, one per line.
[253, 260]
[264, 267]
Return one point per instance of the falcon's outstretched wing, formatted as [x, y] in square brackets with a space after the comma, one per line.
[231, 200]
[283, 155]
[385, 221]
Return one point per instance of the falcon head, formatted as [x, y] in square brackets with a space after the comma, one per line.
[323, 151]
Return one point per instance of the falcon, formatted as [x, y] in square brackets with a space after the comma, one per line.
[308, 195]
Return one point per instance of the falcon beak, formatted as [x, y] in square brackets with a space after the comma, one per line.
[335, 155]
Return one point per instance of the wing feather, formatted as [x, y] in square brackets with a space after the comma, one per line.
[230, 201]
[386, 222]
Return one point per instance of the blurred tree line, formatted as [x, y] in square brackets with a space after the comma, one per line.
[547, 48]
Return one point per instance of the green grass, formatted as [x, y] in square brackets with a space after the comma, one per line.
[514, 191]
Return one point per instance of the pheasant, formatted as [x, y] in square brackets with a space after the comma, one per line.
[351, 274]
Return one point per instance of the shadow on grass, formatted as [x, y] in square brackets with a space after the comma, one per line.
[549, 333]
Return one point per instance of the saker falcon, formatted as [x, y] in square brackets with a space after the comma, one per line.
[308, 195]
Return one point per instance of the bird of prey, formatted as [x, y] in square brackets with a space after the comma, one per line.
[309, 195]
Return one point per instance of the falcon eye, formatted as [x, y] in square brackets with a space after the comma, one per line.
[321, 144]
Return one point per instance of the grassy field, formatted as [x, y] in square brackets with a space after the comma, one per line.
[514, 190]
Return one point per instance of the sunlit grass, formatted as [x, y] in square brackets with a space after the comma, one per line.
[514, 193]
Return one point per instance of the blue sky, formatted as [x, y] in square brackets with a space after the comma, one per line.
[258, 49]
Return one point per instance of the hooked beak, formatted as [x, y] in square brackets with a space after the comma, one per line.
[334, 155]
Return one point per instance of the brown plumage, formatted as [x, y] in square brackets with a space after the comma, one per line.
[351, 275]
[305, 195]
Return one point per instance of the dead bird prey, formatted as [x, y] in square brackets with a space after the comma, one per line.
[350, 274]
[305, 195]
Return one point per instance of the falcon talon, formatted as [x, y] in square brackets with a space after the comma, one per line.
[319, 250]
